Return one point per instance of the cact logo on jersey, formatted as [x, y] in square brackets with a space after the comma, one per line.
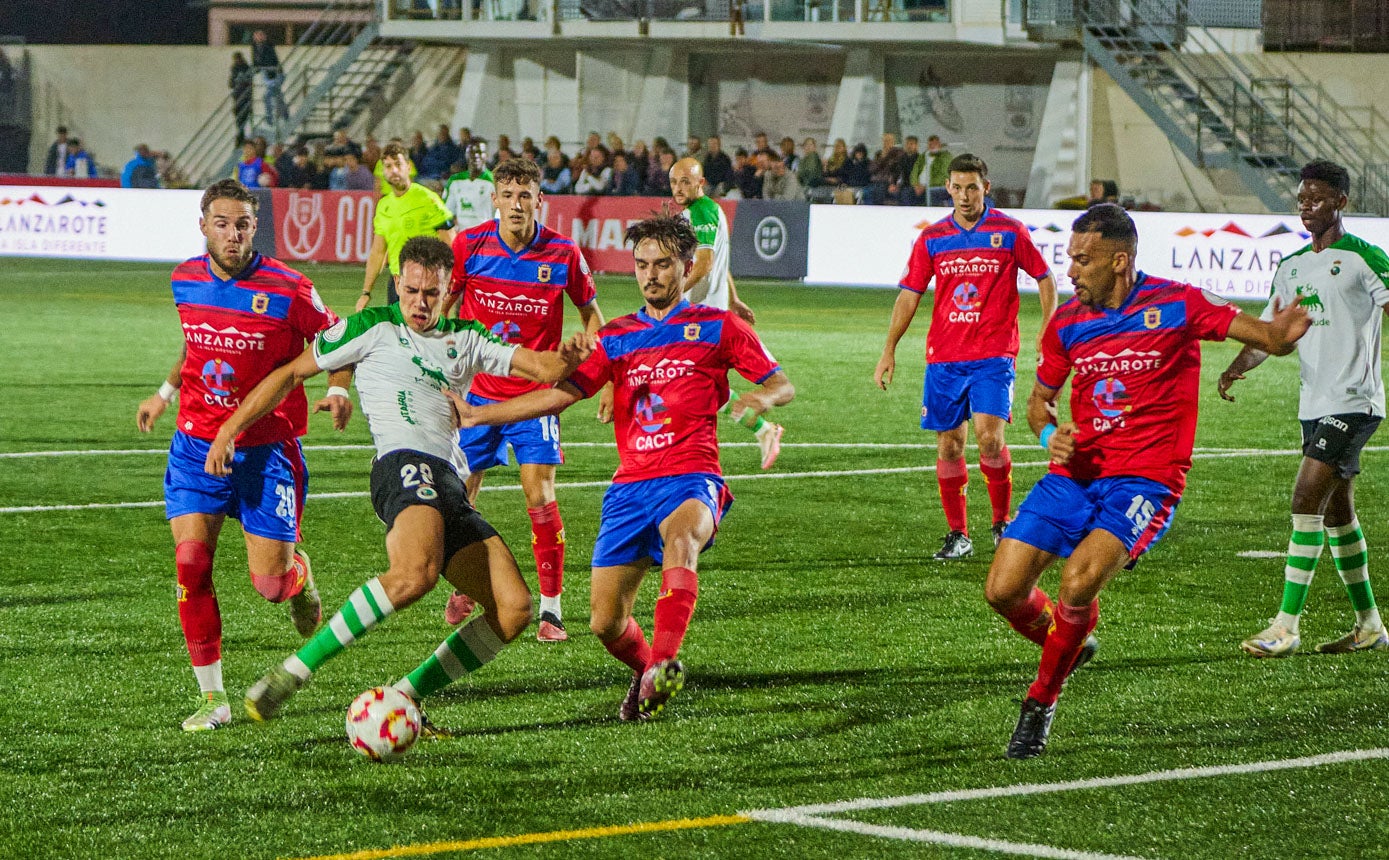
[650, 412]
[966, 301]
[506, 330]
[1111, 398]
[219, 377]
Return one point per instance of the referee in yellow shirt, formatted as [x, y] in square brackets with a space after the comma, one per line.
[409, 210]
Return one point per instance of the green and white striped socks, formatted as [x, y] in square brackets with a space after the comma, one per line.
[1351, 556]
[1304, 548]
[364, 609]
[467, 649]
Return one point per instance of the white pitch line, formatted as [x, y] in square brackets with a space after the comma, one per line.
[1222, 453]
[1025, 789]
[953, 840]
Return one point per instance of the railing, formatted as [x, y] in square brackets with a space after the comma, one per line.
[899, 11]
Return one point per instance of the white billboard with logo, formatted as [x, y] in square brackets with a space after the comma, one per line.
[99, 223]
[1231, 255]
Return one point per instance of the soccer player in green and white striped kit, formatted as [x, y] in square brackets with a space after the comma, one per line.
[406, 355]
[1343, 282]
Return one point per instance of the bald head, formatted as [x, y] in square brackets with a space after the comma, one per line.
[686, 181]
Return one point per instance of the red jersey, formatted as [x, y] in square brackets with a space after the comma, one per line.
[975, 314]
[1137, 378]
[670, 377]
[237, 332]
[517, 296]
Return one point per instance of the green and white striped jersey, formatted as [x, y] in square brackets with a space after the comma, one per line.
[711, 228]
[401, 375]
[1345, 289]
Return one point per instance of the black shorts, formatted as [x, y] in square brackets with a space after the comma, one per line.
[405, 478]
[1336, 440]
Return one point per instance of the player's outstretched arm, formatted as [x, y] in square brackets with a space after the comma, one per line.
[1277, 336]
[1057, 438]
[902, 312]
[338, 401]
[776, 390]
[555, 365]
[533, 404]
[260, 402]
[154, 405]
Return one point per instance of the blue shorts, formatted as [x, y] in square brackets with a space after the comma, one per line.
[265, 490]
[1060, 512]
[535, 440]
[632, 513]
[955, 390]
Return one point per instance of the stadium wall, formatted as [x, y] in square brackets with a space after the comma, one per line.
[1231, 255]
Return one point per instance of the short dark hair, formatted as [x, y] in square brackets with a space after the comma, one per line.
[228, 189]
[968, 162]
[1110, 221]
[1322, 170]
[518, 170]
[671, 233]
[392, 149]
[429, 251]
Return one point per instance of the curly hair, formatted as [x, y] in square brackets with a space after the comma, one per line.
[1322, 170]
[521, 171]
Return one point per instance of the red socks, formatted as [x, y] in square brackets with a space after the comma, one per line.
[281, 587]
[953, 479]
[1033, 618]
[547, 543]
[1072, 625]
[631, 647]
[674, 608]
[197, 603]
[998, 477]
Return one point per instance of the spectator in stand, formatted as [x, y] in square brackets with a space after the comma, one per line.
[694, 149]
[358, 177]
[552, 144]
[662, 186]
[747, 185]
[938, 173]
[834, 165]
[759, 142]
[810, 172]
[615, 144]
[57, 161]
[656, 176]
[79, 162]
[855, 173]
[439, 158]
[335, 162]
[625, 181]
[778, 182]
[504, 151]
[530, 153]
[882, 171]
[640, 157]
[371, 153]
[554, 174]
[503, 156]
[251, 166]
[294, 169]
[267, 63]
[240, 81]
[909, 168]
[593, 140]
[340, 139]
[596, 177]
[418, 149]
[788, 154]
[718, 167]
[465, 140]
[169, 174]
[1103, 191]
[317, 166]
[140, 171]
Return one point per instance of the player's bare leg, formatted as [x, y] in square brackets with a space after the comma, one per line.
[952, 476]
[280, 572]
[996, 465]
[1094, 562]
[547, 544]
[611, 598]
[195, 544]
[460, 605]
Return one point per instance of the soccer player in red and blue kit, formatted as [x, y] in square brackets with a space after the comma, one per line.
[243, 315]
[974, 255]
[669, 364]
[1130, 344]
[513, 274]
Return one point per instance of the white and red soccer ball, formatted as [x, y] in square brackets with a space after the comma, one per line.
[382, 724]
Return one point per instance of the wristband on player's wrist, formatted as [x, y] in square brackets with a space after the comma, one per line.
[167, 392]
[338, 391]
[1045, 436]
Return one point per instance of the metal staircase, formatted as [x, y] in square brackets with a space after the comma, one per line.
[331, 75]
[1256, 123]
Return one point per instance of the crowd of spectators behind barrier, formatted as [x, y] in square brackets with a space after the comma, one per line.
[907, 175]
